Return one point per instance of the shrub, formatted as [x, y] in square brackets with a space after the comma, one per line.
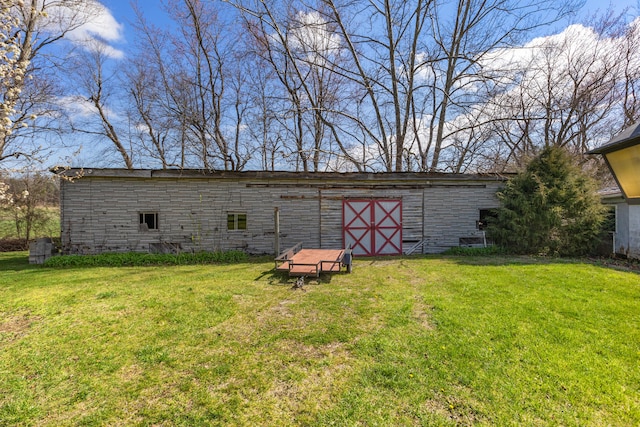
[470, 251]
[551, 208]
[130, 259]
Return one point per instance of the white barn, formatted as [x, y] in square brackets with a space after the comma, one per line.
[119, 210]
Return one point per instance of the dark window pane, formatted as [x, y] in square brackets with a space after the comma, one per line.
[242, 221]
[149, 220]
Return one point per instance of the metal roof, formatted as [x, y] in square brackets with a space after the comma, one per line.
[267, 175]
[628, 137]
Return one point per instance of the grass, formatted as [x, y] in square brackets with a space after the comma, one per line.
[408, 341]
[49, 227]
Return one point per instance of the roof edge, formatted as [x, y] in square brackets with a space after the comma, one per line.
[625, 139]
[204, 174]
[616, 146]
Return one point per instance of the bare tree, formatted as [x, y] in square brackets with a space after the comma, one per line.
[157, 131]
[199, 96]
[179, 101]
[264, 126]
[565, 93]
[385, 66]
[630, 59]
[319, 57]
[28, 28]
[303, 51]
[205, 75]
[26, 198]
[477, 29]
[390, 85]
[406, 69]
[159, 108]
[99, 90]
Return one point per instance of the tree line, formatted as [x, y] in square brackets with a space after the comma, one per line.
[379, 85]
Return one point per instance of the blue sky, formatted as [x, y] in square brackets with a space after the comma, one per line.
[115, 28]
[122, 11]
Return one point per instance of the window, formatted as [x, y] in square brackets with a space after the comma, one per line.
[236, 221]
[486, 215]
[148, 221]
[610, 222]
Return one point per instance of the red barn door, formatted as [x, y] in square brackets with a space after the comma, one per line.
[372, 227]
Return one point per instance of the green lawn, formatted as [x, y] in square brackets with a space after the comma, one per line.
[412, 341]
[49, 226]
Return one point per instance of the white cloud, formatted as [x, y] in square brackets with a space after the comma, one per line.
[314, 38]
[79, 107]
[102, 24]
[99, 30]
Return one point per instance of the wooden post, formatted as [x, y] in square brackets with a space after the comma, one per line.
[276, 218]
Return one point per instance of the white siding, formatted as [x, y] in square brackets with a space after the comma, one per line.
[100, 213]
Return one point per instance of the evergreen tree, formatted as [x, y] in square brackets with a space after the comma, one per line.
[550, 208]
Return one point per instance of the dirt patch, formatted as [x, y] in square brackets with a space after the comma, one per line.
[312, 377]
[131, 373]
[422, 313]
[618, 263]
[15, 327]
[456, 409]
[382, 262]
[279, 311]
[305, 351]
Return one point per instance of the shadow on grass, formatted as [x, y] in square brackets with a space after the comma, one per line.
[474, 260]
[504, 260]
[518, 260]
[281, 278]
[16, 261]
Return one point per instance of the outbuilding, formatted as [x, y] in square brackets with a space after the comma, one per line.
[119, 210]
[626, 232]
[622, 155]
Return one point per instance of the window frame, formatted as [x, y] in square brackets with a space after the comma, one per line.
[235, 219]
[143, 224]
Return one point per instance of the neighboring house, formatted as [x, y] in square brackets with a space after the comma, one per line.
[626, 237]
[118, 210]
[622, 155]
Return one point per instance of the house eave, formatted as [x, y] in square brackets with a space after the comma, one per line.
[80, 173]
[625, 139]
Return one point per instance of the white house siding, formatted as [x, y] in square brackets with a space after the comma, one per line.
[621, 240]
[633, 250]
[626, 240]
[99, 210]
